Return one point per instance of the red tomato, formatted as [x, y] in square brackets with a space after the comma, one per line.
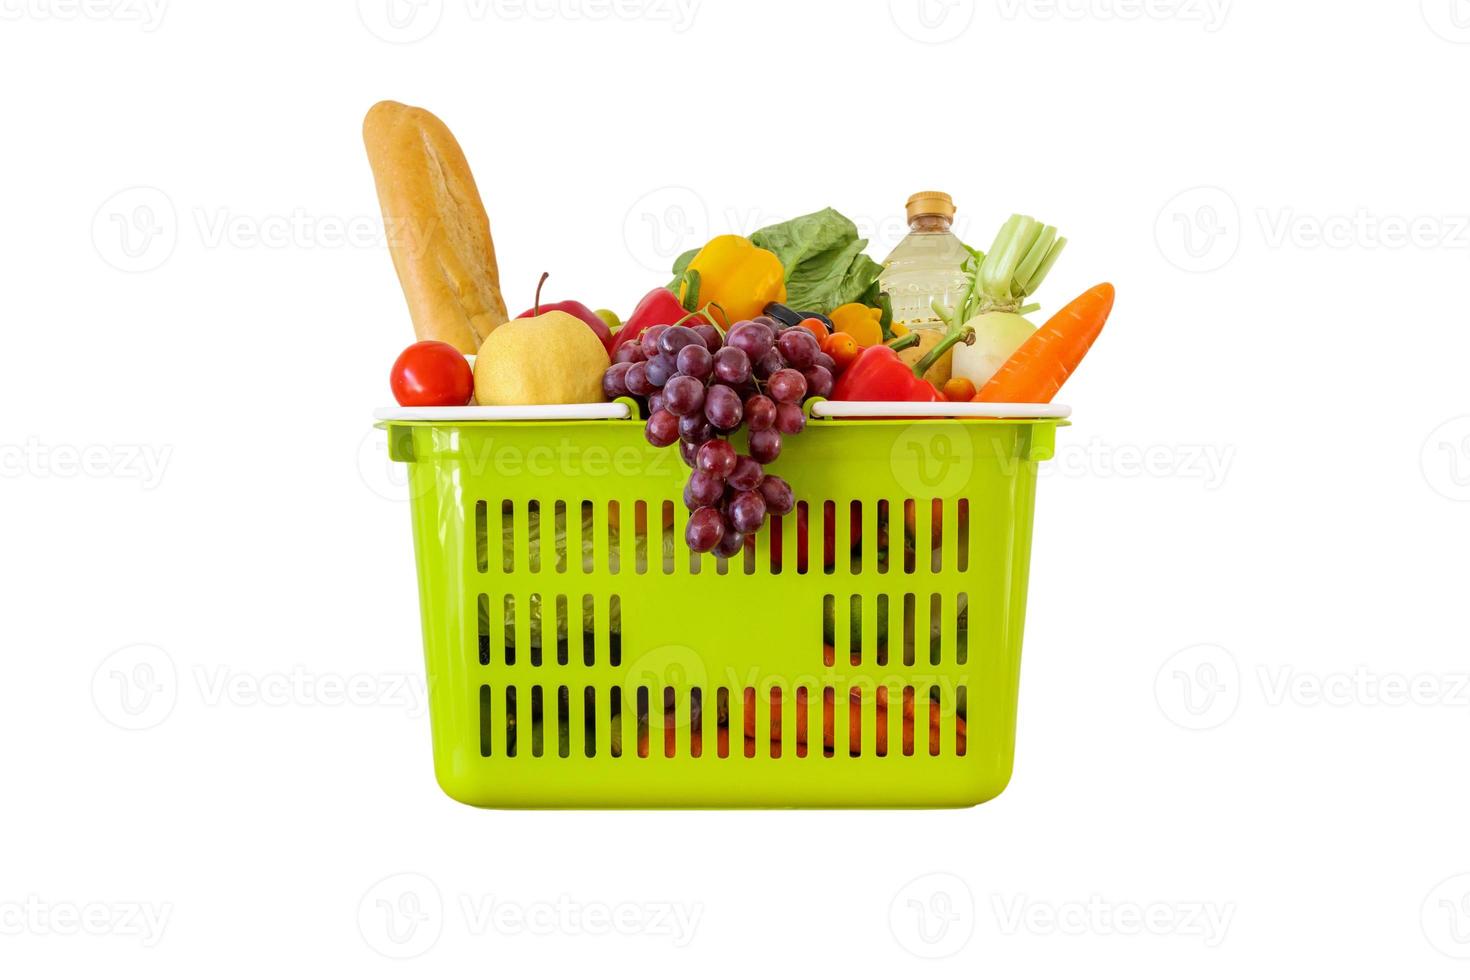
[432, 372]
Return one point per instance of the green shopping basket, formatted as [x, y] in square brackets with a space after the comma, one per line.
[862, 651]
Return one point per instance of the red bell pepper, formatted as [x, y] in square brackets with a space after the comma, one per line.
[878, 375]
[658, 306]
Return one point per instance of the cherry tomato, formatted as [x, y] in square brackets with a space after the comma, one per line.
[817, 327]
[842, 348]
[432, 372]
[959, 390]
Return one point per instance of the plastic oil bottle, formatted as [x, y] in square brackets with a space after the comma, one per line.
[926, 265]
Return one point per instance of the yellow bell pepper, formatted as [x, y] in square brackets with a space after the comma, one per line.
[736, 276]
[861, 323]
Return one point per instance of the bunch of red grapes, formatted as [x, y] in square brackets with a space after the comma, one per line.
[701, 387]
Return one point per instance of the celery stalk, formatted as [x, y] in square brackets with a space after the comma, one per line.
[994, 304]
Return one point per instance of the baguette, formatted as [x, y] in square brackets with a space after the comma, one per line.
[437, 229]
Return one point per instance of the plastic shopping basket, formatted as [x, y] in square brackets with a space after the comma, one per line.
[863, 650]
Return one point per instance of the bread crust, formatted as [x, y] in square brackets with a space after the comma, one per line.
[436, 225]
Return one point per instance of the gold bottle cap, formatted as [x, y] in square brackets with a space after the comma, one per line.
[930, 202]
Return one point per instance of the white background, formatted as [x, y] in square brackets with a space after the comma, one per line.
[1244, 706]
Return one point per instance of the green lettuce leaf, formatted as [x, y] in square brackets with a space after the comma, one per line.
[823, 258]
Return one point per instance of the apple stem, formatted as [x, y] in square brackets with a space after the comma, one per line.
[536, 307]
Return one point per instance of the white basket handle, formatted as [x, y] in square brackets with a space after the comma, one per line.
[506, 413]
[960, 410]
[820, 409]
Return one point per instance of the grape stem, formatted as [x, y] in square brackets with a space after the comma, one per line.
[704, 312]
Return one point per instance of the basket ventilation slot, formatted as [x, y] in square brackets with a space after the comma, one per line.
[929, 628]
[594, 628]
[559, 721]
[645, 537]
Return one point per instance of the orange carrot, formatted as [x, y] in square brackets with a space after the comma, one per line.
[1040, 366]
